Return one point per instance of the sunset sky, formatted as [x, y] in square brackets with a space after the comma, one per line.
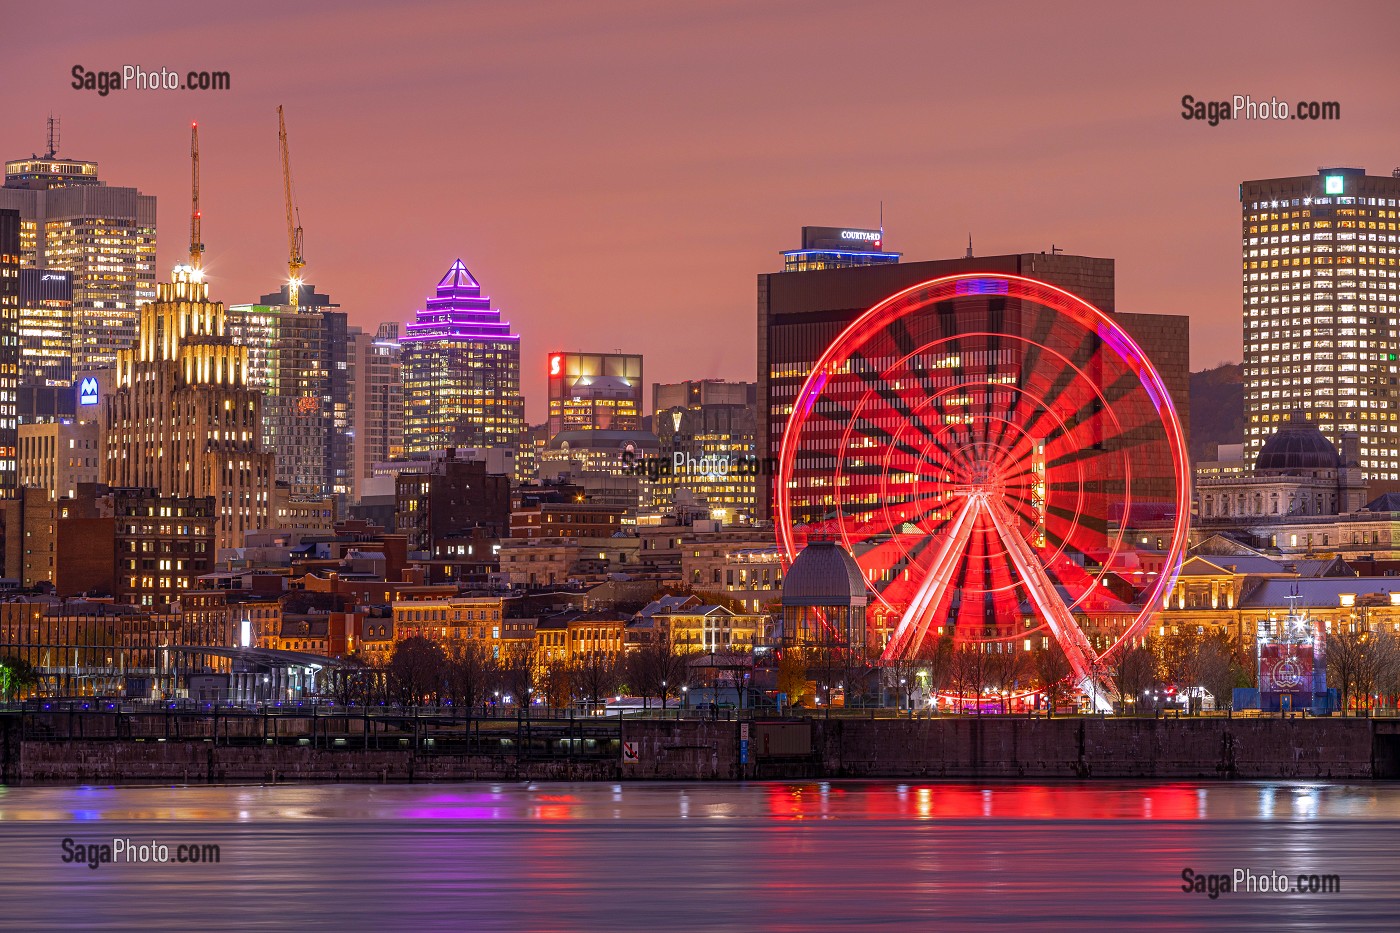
[617, 173]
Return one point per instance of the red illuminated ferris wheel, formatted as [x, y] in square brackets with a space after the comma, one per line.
[981, 445]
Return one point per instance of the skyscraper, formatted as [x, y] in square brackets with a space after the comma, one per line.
[289, 350]
[104, 235]
[45, 327]
[595, 392]
[9, 350]
[461, 371]
[376, 401]
[183, 419]
[708, 436]
[1321, 277]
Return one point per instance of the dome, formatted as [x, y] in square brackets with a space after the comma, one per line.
[824, 574]
[1296, 447]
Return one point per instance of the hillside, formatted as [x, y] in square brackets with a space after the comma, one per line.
[1217, 409]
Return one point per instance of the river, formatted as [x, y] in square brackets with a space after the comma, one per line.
[807, 856]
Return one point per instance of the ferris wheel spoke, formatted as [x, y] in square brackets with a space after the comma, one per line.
[1046, 598]
[913, 624]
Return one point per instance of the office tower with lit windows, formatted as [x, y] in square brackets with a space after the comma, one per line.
[289, 361]
[461, 371]
[708, 434]
[182, 419]
[1321, 276]
[45, 327]
[104, 235]
[10, 262]
[595, 392]
[376, 401]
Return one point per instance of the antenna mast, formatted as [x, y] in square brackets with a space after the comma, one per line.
[196, 244]
[294, 261]
[53, 137]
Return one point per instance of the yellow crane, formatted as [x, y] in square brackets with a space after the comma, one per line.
[294, 261]
[196, 244]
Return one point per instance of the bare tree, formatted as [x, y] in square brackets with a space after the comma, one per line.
[416, 671]
[1052, 673]
[469, 673]
[519, 672]
[1132, 671]
[660, 668]
[968, 673]
[1007, 670]
[597, 675]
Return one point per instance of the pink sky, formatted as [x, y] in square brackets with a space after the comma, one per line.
[616, 174]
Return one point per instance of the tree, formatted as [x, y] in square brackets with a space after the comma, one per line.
[1345, 661]
[597, 676]
[968, 674]
[520, 671]
[660, 668]
[1363, 665]
[470, 671]
[1006, 670]
[1052, 673]
[17, 677]
[1219, 668]
[1132, 671]
[416, 670]
[792, 676]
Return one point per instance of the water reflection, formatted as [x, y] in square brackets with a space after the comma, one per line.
[800, 855]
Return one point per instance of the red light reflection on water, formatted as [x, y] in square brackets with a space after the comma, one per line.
[819, 801]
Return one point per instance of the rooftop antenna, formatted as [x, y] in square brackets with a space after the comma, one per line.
[969, 247]
[1055, 250]
[196, 245]
[53, 137]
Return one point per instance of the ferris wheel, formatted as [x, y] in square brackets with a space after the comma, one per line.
[983, 446]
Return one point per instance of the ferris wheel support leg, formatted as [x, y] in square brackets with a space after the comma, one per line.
[1067, 632]
[915, 622]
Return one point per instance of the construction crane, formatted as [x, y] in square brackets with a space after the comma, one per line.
[196, 244]
[294, 261]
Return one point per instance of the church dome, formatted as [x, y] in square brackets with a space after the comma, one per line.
[1297, 447]
[824, 574]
